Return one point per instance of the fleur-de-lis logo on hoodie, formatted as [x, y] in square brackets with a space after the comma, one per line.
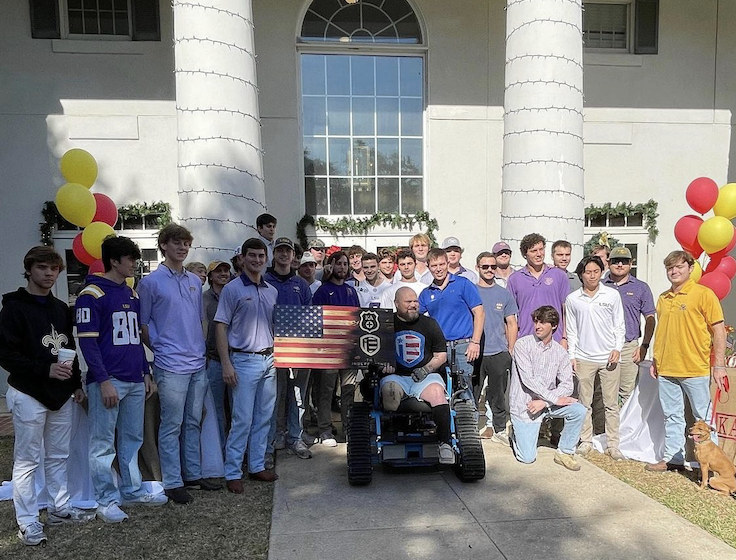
[55, 341]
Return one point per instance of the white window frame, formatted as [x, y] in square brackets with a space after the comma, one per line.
[629, 28]
[64, 27]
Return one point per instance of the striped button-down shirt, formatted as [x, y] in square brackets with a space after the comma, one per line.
[541, 372]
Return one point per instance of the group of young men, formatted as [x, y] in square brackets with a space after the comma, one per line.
[529, 343]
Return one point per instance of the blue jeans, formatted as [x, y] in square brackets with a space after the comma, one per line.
[526, 434]
[182, 397]
[127, 417]
[219, 390]
[697, 390]
[254, 397]
[288, 411]
[462, 365]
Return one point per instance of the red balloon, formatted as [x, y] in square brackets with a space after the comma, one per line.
[106, 210]
[96, 267]
[686, 233]
[718, 282]
[80, 252]
[727, 265]
[702, 194]
[725, 251]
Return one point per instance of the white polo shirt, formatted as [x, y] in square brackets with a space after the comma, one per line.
[595, 324]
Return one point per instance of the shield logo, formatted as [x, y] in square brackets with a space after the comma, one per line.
[370, 344]
[409, 348]
[369, 321]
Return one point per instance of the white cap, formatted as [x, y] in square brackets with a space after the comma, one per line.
[451, 242]
[307, 257]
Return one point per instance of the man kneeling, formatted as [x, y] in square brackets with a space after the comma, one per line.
[541, 386]
[415, 373]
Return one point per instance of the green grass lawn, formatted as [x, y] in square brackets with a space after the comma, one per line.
[217, 525]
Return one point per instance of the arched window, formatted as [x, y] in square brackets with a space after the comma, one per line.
[362, 113]
[364, 21]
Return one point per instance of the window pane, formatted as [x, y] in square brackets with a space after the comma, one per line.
[411, 196]
[411, 117]
[605, 26]
[103, 5]
[387, 116]
[363, 115]
[121, 23]
[339, 156]
[635, 220]
[106, 25]
[315, 195]
[338, 116]
[313, 116]
[313, 74]
[364, 155]
[364, 196]
[75, 22]
[411, 157]
[90, 22]
[388, 156]
[340, 196]
[74, 4]
[315, 156]
[362, 74]
[388, 195]
[338, 75]
[411, 76]
[387, 75]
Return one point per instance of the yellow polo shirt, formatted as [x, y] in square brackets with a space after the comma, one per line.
[683, 340]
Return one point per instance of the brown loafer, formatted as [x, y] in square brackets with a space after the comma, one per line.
[659, 467]
[235, 486]
[264, 476]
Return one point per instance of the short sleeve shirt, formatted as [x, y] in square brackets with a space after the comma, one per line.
[416, 341]
[497, 304]
[551, 288]
[682, 343]
[638, 300]
[247, 309]
[451, 306]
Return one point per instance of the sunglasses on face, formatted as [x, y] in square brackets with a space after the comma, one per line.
[620, 261]
[487, 266]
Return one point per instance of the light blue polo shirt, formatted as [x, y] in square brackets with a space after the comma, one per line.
[171, 306]
[247, 309]
[451, 307]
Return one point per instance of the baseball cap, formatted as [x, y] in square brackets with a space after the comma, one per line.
[451, 242]
[214, 264]
[238, 251]
[307, 258]
[317, 244]
[284, 241]
[620, 253]
[500, 246]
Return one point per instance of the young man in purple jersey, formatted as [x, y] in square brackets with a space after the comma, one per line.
[118, 379]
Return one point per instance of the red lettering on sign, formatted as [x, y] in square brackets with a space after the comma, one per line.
[726, 424]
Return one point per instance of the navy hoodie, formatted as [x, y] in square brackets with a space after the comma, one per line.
[31, 333]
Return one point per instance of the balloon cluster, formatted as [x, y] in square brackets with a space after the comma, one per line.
[715, 236]
[96, 213]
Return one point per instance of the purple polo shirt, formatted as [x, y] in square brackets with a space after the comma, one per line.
[171, 306]
[247, 309]
[551, 288]
[638, 300]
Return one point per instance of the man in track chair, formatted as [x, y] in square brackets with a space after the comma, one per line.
[420, 353]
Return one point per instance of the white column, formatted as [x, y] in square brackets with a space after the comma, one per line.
[221, 189]
[542, 188]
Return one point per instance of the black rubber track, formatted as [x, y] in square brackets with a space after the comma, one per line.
[360, 469]
[471, 463]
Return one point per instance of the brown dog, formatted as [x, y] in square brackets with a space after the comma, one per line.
[712, 458]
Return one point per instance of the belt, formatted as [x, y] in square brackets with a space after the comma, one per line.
[454, 343]
[265, 352]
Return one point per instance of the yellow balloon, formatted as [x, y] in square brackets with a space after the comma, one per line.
[697, 272]
[715, 234]
[726, 204]
[93, 236]
[78, 166]
[76, 204]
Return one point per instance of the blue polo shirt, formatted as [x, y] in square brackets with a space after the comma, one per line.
[451, 307]
[247, 309]
[293, 289]
[332, 294]
[171, 306]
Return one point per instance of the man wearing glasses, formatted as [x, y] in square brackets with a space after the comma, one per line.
[499, 336]
[638, 301]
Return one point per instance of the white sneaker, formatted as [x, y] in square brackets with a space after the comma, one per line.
[328, 440]
[446, 454]
[501, 437]
[584, 448]
[33, 535]
[147, 500]
[68, 514]
[111, 513]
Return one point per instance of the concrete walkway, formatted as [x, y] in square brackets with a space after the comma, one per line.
[540, 511]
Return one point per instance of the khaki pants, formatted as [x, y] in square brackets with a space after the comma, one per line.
[629, 370]
[586, 373]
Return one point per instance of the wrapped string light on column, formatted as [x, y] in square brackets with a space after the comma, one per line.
[542, 188]
[220, 155]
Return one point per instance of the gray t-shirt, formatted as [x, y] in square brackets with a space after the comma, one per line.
[498, 304]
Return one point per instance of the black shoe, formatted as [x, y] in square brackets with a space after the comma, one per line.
[202, 484]
[179, 495]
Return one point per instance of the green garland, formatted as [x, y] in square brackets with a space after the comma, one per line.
[600, 238]
[361, 226]
[648, 210]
